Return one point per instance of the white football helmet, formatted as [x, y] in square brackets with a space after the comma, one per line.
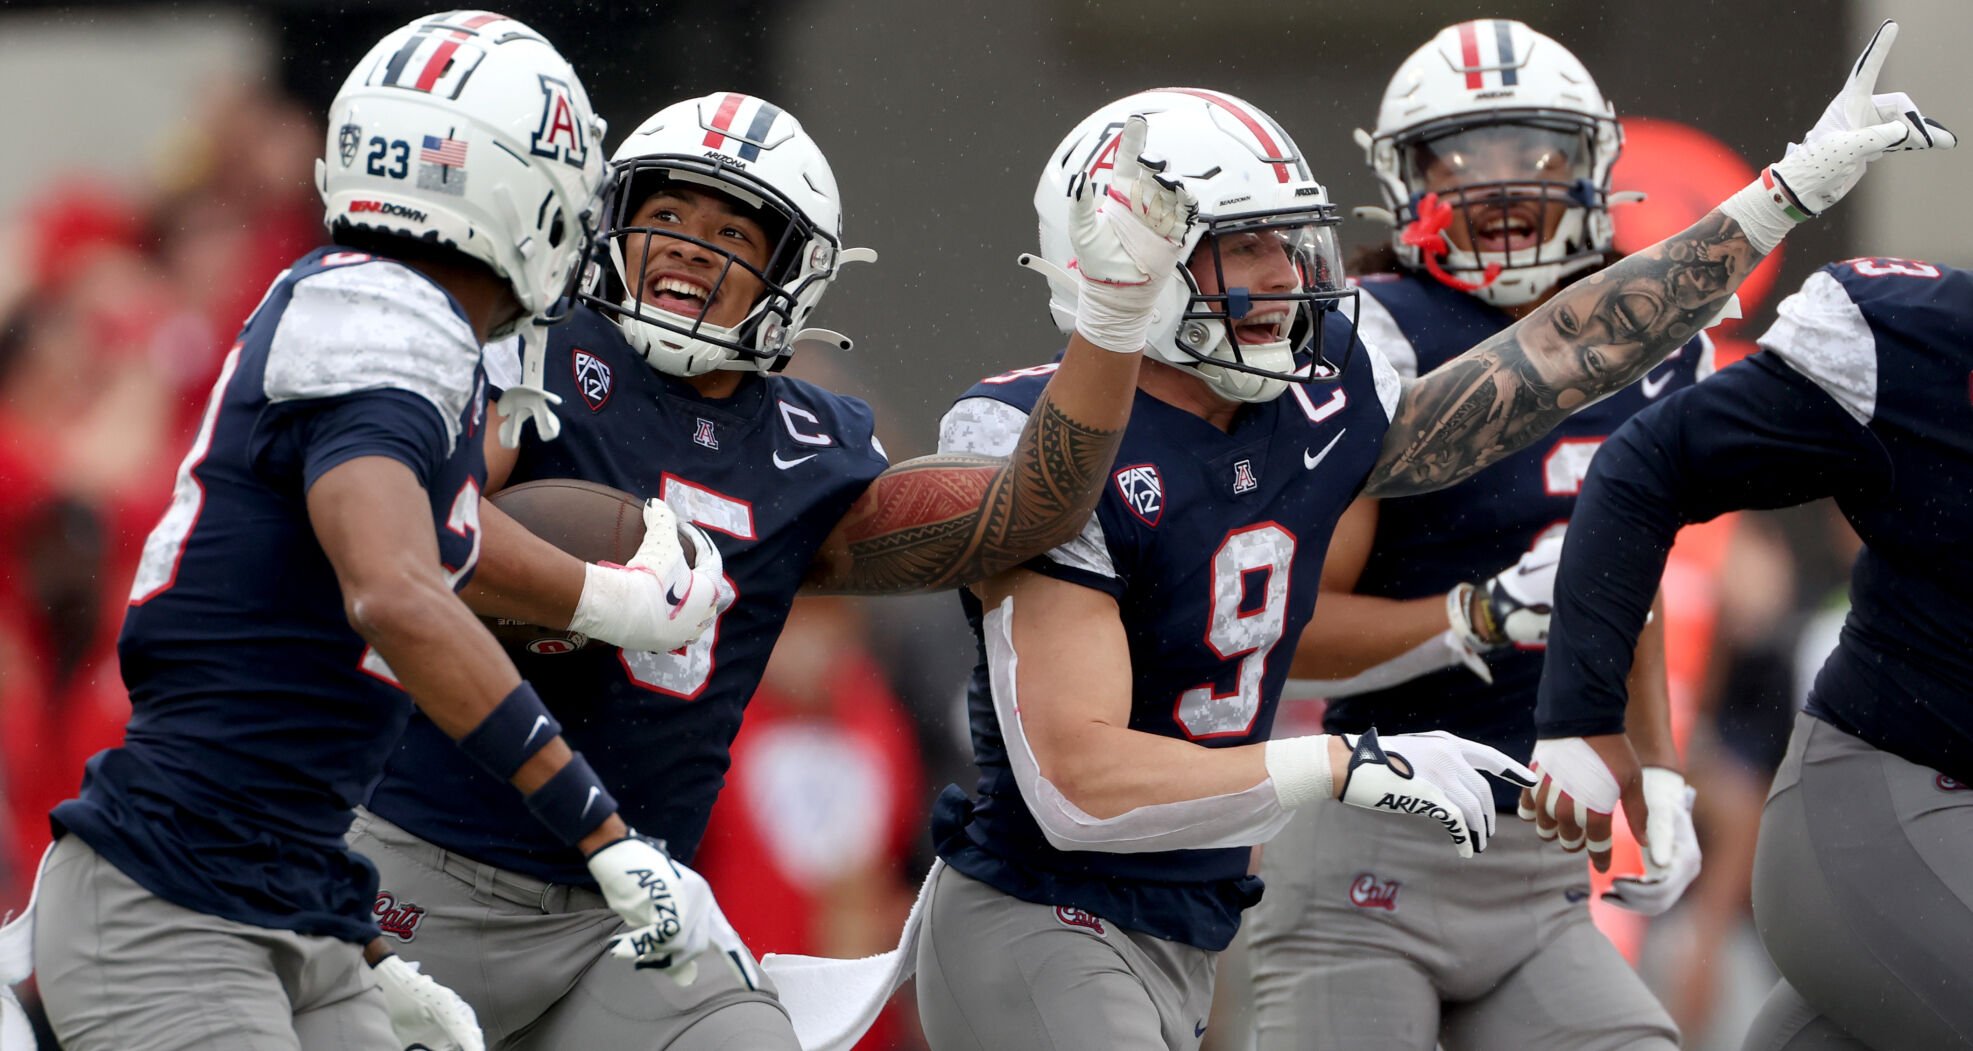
[1478, 92]
[1248, 175]
[757, 154]
[469, 130]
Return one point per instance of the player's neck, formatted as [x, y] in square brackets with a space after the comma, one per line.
[487, 300]
[719, 383]
[1182, 389]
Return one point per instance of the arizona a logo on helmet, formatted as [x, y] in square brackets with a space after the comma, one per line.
[560, 135]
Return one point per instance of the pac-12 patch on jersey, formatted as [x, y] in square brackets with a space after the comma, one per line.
[592, 379]
[1143, 491]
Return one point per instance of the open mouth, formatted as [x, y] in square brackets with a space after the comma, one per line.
[678, 294]
[1506, 228]
[1263, 326]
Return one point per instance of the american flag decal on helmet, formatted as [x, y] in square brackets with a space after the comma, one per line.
[1495, 35]
[758, 124]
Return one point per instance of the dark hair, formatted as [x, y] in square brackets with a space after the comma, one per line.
[405, 248]
[1377, 257]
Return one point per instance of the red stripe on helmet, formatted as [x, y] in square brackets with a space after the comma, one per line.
[481, 19]
[1469, 54]
[435, 67]
[722, 120]
[1245, 118]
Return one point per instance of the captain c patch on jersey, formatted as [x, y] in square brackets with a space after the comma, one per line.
[1143, 491]
[592, 379]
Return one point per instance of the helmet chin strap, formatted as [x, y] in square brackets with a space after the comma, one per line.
[1427, 234]
[531, 400]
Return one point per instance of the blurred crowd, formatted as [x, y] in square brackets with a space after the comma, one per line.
[129, 294]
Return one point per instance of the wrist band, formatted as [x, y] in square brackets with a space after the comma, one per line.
[510, 734]
[1300, 769]
[573, 803]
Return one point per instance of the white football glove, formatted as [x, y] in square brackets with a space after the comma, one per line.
[1858, 127]
[1513, 605]
[661, 600]
[1672, 862]
[423, 1013]
[1127, 243]
[1433, 775]
[666, 906]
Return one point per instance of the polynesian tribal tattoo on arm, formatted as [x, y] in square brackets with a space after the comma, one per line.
[1594, 337]
[948, 520]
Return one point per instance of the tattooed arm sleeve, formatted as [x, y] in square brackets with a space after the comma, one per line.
[1593, 338]
[948, 520]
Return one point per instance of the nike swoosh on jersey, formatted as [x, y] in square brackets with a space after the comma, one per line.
[1309, 460]
[1652, 390]
[785, 464]
[539, 722]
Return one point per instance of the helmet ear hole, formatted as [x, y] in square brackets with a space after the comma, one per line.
[558, 229]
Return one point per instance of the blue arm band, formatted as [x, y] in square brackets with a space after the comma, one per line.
[573, 802]
[510, 734]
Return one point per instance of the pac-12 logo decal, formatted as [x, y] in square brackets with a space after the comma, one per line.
[398, 919]
[1143, 492]
[560, 136]
[592, 379]
[1069, 916]
[1368, 892]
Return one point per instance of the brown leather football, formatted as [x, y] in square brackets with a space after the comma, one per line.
[593, 522]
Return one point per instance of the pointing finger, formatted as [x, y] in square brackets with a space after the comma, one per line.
[1863, 77]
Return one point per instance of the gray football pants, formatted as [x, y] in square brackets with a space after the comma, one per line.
[996, 973]
[1863, 894]
[530, 958]
[1374, 935]
[121, 969]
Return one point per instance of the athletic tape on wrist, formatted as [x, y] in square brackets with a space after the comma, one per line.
[510, 734]
[1765, 210]
[1300, 769]
[573, 803]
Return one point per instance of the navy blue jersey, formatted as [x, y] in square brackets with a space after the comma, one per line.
[1212, 544]
[1862, 393]
[258, 716]
[1429, 543]
[768, 472]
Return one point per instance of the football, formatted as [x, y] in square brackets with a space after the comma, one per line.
[593, 522]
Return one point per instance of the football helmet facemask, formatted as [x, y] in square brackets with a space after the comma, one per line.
[1505, 127]
[757, 156]
[468, 130]
[1251, 183]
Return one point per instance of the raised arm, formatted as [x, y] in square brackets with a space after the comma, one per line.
[944, 520]
[1604, 332]
[941, 521]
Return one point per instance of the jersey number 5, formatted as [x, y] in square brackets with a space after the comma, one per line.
[1248, 615]
[684, 672]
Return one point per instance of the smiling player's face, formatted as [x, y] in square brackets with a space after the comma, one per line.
[1259, 261]
[678, 276]
[1514, 217]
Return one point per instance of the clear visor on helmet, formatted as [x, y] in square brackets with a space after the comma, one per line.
[700, 251]
[1267, 278]
[1509, 183]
